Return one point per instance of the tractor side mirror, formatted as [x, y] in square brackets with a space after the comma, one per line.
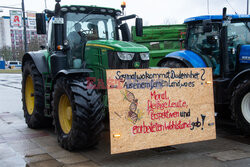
[139, 27]
[207, 26]
[40, 23]
[125, 32]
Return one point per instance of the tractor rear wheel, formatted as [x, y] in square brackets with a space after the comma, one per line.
[78, 113]
[33, 96]
[173, 64]
[240, 105]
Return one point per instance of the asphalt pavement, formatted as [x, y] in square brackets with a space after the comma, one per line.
[21, 146]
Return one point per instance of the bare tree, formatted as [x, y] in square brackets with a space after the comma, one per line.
[18, 53]
[36, 43]
[6, 53]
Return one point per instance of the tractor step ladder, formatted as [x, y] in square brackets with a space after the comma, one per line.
[48, 89]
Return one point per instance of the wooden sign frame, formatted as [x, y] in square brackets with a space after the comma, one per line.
[151, 108]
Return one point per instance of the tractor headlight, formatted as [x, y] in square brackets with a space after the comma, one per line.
[125, 55]
[144, 56]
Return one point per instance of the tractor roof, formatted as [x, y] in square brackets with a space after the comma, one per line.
[214, 17]
[93, 9]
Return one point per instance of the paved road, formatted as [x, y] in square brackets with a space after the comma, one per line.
[21, 146]
[11, 80]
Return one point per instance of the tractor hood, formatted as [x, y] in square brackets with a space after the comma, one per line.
[244, 54]
[187, 56]
[119, 46]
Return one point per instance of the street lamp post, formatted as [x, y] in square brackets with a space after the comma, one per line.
[0, 48]
[24, 28]
[208, 6]
[45, 3]
[247, 6]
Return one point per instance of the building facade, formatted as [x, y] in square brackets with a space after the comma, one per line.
[5, 37]
[13, 36]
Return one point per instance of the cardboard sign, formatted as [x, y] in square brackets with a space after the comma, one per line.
[159, 107]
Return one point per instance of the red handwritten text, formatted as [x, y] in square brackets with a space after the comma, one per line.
[157, 127]
[167, 104]
[164, 115]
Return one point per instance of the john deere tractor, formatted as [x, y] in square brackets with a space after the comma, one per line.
[223, 43]
[83, 41]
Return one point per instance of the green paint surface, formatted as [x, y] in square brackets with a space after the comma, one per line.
[161, 40]
[119, 46]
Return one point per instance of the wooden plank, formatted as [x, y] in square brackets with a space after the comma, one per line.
[151, 108]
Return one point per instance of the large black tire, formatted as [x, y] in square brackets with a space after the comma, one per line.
[240, 106]
[173, 64]
[87, 113]
[33, 109]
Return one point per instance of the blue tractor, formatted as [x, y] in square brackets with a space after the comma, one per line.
[221, 42]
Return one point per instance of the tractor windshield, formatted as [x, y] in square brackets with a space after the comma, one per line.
[82, 27]
[205, 44]
[94, 26]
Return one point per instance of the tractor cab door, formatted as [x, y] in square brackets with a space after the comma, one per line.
[238, 34]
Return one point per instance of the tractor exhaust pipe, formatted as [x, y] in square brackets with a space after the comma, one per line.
[224, 13]
[57, 8]
[224, 46]
[58, 27]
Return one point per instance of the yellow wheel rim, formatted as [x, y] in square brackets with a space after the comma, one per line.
[29, 95]
[65, 114]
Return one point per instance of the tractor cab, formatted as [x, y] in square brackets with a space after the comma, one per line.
[83, 33]
[205, 39]
[221, 42]
[83, 24]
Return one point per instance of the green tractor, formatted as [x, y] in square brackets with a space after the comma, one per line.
[83, 41]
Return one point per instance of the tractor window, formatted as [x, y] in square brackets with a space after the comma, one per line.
[238, 34]
[205, 44]
[111, 32]
[101, 30]
[81, 28]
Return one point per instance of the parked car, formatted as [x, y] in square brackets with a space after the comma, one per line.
[14, 64]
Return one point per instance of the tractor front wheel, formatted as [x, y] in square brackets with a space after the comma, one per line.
[78, 113]
[33, 96]
[240, 105]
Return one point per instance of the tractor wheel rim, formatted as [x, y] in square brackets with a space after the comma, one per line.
[65, 114]
[29, 95]
[245, 107]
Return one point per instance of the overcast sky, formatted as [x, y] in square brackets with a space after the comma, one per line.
[153, 12]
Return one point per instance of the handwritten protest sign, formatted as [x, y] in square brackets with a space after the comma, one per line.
[151, 108]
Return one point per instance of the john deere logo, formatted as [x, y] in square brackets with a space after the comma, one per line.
[137, 64]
